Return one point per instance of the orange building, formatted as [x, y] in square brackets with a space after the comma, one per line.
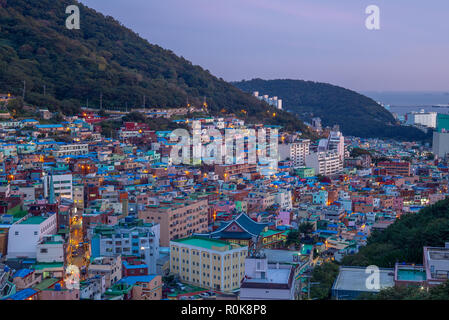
[179, 218]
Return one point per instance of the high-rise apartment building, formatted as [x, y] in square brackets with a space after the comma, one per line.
[295, 152]
[325, 163]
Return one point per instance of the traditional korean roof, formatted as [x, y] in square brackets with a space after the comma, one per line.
[249, 228]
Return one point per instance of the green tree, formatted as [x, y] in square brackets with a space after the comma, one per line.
[324, 276]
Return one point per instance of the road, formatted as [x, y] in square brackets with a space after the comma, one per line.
[78, 252]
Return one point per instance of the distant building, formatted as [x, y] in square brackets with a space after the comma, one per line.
[305, 172]
[316, 124]
[325, 163]
[434, 271]
[395, 168]
[272, 101]
[108, 267]
[148, 287]
[129, 237]
[178, 219]
[426, 119]
[436, 264]
[336, 142]
[71, 150]
[440, 144]
[61, 184]
[264, 281]
[295, 152]
[443, 122]
[351, 282]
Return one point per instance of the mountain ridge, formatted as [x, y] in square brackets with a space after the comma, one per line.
[107, 61]
[355, 113]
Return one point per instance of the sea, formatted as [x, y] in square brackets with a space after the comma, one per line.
[403, 102]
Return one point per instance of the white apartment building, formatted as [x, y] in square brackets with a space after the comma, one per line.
[337, 143]
[426, 119]
[264, 281]
[71, 150]
[62, 184]
[296, 152]
[25, 235]
[50, 249]
[440, 144]
[284, 199]
[124, 134]
[128, 239]
[272, 101]
[325, 163]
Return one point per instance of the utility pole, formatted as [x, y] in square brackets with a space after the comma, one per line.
[45, 89]
[101, 100]
[144, 98]
[24, 89]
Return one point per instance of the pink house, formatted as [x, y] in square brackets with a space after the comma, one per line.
[398, 203]
[283, 218]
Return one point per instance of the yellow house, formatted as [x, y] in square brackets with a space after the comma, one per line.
[213, 264]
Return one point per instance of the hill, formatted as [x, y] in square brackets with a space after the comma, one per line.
[403, 241]
[356, 114]
[106, 59]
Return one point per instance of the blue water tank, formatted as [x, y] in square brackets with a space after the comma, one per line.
[6, 269]
[58, 287]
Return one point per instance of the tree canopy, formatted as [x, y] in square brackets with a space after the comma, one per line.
[403, 241]
[105, 61]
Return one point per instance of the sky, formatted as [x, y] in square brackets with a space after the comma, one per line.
[318, 40]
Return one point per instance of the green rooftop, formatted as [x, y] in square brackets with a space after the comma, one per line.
[33, 220]
[270, 232]
[204, 243]
[41, 266]
[45, 284]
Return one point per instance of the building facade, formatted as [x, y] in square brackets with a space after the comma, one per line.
[207, 263]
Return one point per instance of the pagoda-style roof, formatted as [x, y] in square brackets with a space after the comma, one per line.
[242, 227]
